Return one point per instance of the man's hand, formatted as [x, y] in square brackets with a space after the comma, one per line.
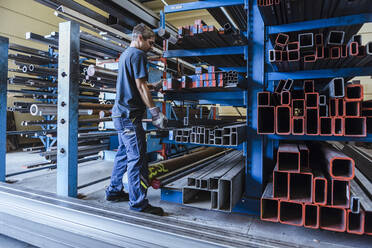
[158, 118]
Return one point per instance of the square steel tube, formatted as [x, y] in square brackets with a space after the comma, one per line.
[282, 40]
[283, 120]
[306, 40]
[336, 38]
[354, 92]
[338, 128]
[312, 100]
[332, 219]
[368, 222]
[281, 184]
[311, 216]
[280, 86]
[352, 109]
[263, 98]
[293, 46]
[308, 86]
[288, 158]
[355, 126]
[326, 126]
[298, 125]
[320, 190]
[342, 168]
[312, 121]
[323, 110]
[285, 98]
[340, 193]
[355, 222]
[291, 213]
[298, 107]
[300, 187]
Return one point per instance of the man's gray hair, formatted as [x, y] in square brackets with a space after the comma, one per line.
[142, 29]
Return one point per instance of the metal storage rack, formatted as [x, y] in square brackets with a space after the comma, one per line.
[256, 149]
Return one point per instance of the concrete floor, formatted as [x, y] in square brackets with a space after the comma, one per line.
[251, 225]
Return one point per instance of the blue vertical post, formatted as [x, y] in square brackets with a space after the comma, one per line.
[256, 143]
[68, 89]
[4, 44]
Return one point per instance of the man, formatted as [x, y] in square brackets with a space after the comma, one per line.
[132, 98]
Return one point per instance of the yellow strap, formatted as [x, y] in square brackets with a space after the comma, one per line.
[143, 184]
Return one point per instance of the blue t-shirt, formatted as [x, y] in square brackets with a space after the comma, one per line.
[132, 66]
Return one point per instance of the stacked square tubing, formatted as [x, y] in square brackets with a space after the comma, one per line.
[218, 186]
[231, 135]
[211, 79]
[306, 112]
[309, 51]
[314, 195]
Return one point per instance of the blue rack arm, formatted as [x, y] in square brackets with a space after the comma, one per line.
[321, 23]
[326, 73]
[204, 52]
[201, 5]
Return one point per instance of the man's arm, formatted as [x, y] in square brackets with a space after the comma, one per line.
[145, 92]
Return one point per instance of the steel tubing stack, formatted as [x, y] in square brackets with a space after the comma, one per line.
[322, 50]
[335, 110]
[315, 191]
[285, 11]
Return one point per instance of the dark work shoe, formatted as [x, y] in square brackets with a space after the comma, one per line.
[117, 196]
[153, 210]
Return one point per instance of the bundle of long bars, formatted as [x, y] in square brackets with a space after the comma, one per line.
[311, 51]
[228, 135]
[276, 12]
[335, 111]
[212, 79]
[315, 192]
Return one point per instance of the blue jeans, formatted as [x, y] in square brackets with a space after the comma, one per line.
[131, 158]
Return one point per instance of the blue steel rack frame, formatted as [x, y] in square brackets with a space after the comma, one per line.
[257, 149]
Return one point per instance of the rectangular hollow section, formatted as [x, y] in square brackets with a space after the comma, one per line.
[368, 222]
[283, 120]
[269, 209]
[286, 98]
[354, 92]
[300, 187]
[312, 123]
[338, 128]
[340, 193]
[325, 126]
[312, 100]
[311, 216]
[263, 98]
[266, 120]
[352, 109]
[280, 185]
[197, 198]
[355, 222]
[298, 107]
[291, 213]
[320, 191]
[355, 126]
[298, 126]
[333, 219]
[342, 168]
[288, 157]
